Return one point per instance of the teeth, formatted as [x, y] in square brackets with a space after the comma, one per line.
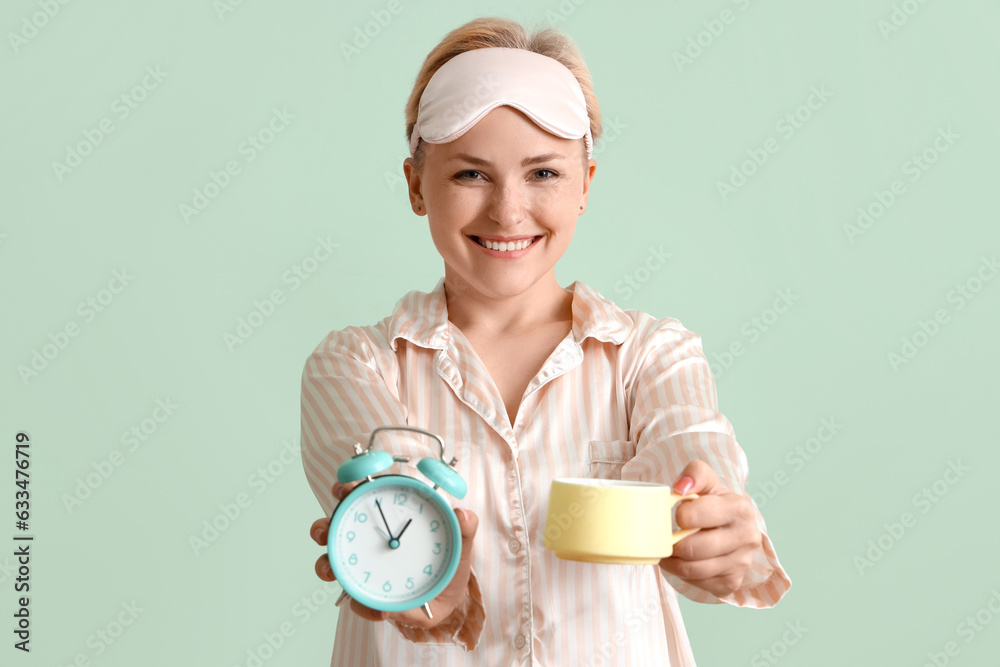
[505, 245]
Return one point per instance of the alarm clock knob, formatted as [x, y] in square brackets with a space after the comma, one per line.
[363, 465]
[438, 472]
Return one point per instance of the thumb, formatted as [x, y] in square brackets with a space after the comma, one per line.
[697, 477]
[468, 523]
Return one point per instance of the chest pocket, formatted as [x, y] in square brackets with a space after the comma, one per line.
[608, 456]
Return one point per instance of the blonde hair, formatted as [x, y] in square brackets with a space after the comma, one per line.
[491, 32]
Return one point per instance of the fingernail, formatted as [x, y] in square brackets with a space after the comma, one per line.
[683, 485]
[462, 514]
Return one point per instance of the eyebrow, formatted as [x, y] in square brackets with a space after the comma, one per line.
[547, 157]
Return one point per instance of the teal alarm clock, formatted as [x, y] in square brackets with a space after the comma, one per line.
[394, 542]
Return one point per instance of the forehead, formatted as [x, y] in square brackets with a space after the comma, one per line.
[506, 132]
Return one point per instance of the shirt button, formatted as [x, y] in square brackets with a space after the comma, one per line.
[515, 546]
[519, 641]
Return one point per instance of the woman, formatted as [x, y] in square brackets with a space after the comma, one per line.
[527, 381]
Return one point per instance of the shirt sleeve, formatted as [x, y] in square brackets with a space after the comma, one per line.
[348, 390]
[674, 419]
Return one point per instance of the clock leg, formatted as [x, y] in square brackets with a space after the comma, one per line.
[427, 610]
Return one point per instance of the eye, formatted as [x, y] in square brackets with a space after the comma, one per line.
[472, 174]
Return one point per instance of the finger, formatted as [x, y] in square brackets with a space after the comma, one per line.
[721, 585]
[323, 569]
[340, 491]
[708, 543]
[708, 511]
[366, 612]
[701, 479]
[318, 531]
[694, 571]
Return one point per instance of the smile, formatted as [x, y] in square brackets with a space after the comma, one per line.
[505, 246]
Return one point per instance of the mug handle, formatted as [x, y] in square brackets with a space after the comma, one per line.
[681, 534]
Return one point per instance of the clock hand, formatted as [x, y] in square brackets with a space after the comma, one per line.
[402, 529]
[387, 529]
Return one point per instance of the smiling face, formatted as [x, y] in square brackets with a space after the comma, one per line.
[506, 181]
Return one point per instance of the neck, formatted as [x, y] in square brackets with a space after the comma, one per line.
[492, 315]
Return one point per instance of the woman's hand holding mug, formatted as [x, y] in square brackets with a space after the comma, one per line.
[717, 557]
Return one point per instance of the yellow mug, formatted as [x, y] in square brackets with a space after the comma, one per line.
[612, 521]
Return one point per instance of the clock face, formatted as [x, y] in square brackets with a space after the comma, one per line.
[394, 543]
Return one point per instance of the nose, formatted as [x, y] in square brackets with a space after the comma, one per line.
[508, 205]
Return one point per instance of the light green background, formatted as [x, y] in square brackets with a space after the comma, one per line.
[335, 171]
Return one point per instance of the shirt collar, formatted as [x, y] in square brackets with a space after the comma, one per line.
[422, 317]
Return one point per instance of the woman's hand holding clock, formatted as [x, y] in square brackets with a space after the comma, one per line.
[442, 607]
